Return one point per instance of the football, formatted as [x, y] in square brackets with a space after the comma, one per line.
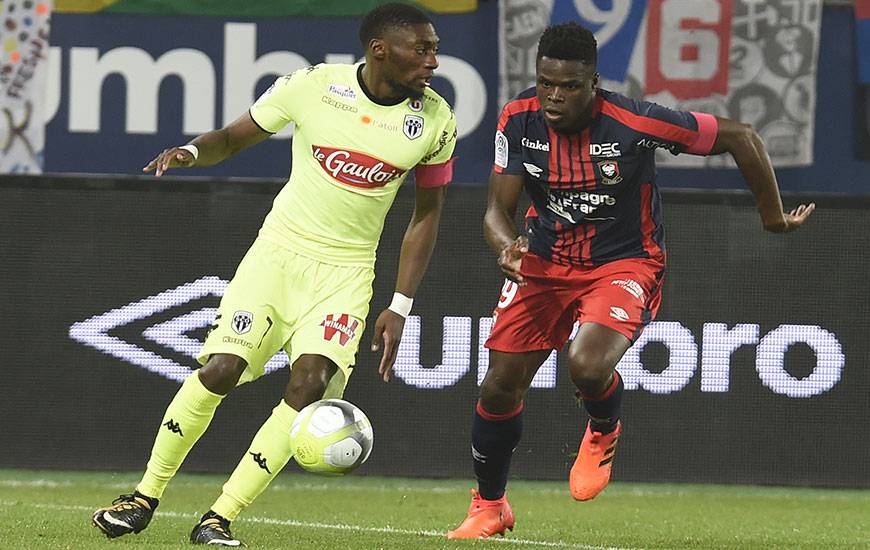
[331, 437]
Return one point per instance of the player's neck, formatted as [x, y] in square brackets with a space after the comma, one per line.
[376, 88]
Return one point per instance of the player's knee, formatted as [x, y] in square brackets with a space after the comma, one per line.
[221, 373]
[590, 371]
[308, 381]
[499, 398]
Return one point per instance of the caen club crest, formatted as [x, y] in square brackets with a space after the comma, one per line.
[413, 126]
[609, 172]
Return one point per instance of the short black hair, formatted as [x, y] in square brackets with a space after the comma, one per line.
[569, 41]
[389, 16]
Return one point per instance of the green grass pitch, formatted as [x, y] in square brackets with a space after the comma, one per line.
[49, 509]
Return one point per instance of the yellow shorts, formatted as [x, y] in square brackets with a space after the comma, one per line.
[279, 299]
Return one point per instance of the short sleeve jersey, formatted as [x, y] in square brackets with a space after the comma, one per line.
[350, 155]
[593, 192]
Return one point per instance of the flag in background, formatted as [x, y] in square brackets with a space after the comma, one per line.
[23, 65]
[862, 39]
[260, 8]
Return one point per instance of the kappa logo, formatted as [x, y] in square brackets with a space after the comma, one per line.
[618, 313]
[165, 347]
[260, 460]
[341, 325]
[413, 126]
[242, 322]
[354, 168]
[173, 427]
[338, 104]
[609, 172]
[533, 170]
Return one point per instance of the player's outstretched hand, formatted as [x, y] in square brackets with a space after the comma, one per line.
[511, 258]
[170, 158]
[793, 219]
[388, 334]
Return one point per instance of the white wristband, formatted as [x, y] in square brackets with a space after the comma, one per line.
[401, 304]
[192, 149]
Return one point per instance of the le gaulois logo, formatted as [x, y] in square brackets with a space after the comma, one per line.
[354, 168]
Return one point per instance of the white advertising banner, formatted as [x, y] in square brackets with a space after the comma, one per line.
[24, 30]
[748, 60]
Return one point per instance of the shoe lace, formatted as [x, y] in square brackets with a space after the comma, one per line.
[219, 525]
[128, 502]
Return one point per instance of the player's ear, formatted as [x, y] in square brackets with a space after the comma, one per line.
[594, 81]
[378, 48]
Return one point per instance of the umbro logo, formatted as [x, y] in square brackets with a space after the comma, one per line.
[166, 347]
[261, 461]
[173, 427]
[533, 170]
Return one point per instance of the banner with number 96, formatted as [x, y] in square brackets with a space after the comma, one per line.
[748, 60]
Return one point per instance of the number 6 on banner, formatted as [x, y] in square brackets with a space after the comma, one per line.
[687, 47]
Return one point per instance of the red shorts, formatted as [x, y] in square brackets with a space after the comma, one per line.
[623, 295]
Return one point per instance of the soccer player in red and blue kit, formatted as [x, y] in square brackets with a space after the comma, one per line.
[592, 251]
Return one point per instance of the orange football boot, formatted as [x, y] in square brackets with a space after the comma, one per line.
[485, 518]
[591, 471]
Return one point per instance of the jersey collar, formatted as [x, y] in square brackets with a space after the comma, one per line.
[369, 95]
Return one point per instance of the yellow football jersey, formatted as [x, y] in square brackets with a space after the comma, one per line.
[350, 155]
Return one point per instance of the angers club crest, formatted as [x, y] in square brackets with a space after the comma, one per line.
[609, 172]
[413, 126]
[242, 321]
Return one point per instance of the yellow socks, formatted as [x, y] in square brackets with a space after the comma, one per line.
[268, 454]
[185, 420]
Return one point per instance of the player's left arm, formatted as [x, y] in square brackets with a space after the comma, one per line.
[417, 247]
[433, 173]
[746, 147]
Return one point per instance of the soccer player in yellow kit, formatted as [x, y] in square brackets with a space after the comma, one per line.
[306, 282]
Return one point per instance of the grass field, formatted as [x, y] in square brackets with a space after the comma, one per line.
[42, 509]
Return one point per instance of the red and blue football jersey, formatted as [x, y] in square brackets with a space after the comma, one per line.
[594, 194]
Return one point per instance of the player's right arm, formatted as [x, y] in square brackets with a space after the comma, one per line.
[281, 104]
[505, 186]
[498, 223]
[213, 147]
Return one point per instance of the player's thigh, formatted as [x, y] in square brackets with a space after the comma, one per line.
[310, 376]
[334, 321]
[251, 319]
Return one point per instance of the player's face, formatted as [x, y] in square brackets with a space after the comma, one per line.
[566, 89]
[410, 59]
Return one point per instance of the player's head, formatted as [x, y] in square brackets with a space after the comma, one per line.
[401, 40]
[566, 75]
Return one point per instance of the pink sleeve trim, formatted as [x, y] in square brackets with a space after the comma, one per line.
[708, 129]
[434, 175]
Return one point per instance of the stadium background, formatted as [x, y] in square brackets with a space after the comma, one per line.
[77, 246]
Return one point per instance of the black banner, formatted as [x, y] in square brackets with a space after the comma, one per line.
[755, 371]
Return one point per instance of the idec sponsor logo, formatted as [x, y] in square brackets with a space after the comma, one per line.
[354, 168]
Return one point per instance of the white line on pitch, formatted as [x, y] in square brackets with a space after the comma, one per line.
[336, 526]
